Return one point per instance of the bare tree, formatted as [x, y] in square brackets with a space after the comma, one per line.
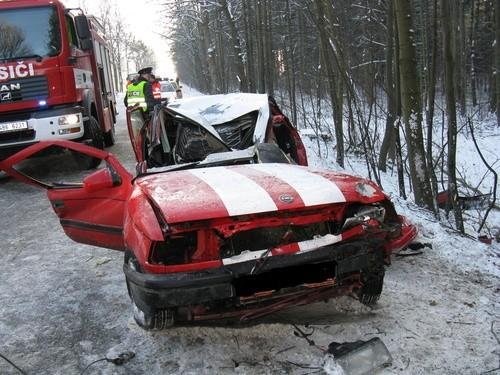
[412, 106]
[496, 70]
[452, 116]
[12, 42]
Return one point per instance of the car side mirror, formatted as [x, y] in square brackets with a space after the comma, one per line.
[86, 44]
[82, 27]
[83, 32]
[102, 179]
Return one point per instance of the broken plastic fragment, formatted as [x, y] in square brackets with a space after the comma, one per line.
[360, 357]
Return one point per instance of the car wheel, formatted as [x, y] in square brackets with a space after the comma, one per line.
[92, 136]
[109, 136]
[158, 320]
[155, 320]
[373, 282]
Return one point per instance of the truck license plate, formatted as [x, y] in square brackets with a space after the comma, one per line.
[13, 126]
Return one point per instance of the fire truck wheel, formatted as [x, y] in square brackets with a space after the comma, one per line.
[92, 136]
[109, 137]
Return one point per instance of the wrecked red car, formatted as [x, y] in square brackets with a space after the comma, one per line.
[228, 234]
[190, 129]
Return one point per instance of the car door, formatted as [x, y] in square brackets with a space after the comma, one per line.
[137, 132]
[286, 135]
[90, 211]
[300, 150]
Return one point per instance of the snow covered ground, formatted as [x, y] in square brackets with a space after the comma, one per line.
[65, 305]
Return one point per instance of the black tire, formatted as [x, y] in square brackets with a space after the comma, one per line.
[92, 136]
[155, 321]
[148, 320]
[373, 282]
[109, 137]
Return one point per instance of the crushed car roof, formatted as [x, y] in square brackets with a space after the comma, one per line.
[212, 110]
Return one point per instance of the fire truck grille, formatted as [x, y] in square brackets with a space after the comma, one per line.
[31, 88]
[20, 136]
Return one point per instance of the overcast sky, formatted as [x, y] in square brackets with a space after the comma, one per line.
[144, 21]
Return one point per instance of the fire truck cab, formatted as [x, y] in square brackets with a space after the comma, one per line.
[57, 79]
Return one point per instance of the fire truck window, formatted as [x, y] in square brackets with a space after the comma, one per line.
[29, 32]
[70, 26]
[105, 102]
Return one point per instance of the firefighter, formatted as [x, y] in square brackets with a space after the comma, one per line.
[156, 89]
[140, 91]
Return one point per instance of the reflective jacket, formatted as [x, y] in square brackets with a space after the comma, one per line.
[136, 95]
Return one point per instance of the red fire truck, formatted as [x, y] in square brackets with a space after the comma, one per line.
[56, 77]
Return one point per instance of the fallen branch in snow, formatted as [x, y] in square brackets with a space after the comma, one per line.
[493, 332]
[237, 342]
[495, 176]
[299, 333]
[455, 231]
[490, 371]
[285, 350]
[301, 365]
[12, 364]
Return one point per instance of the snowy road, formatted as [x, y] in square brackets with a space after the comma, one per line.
[64, 305]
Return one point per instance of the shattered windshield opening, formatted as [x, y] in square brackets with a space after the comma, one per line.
[194, 143]
[28, 32]
[238, 133]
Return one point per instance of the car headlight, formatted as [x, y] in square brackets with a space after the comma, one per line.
[360, 357]
[364, 214]
[72, 119]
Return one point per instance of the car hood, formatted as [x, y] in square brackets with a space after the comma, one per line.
[216, 192]
[211, 110]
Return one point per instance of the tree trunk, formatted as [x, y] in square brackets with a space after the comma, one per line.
[249, 42]
[268, 43]
[204, 44]
[460, 75]
[497, 60]
[452, 116]
[431, 97]
[235, 46]
[474, 26]
[412, 106]
[388, 141]
[290, 65]
[261, 88]
[329, 61]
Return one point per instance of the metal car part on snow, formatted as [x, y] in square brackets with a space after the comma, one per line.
[229, 237]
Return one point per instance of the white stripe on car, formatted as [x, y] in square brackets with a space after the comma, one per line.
[240, 195]
[312, 188]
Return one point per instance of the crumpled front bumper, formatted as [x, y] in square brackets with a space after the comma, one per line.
[408, 233]
[162, 291]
